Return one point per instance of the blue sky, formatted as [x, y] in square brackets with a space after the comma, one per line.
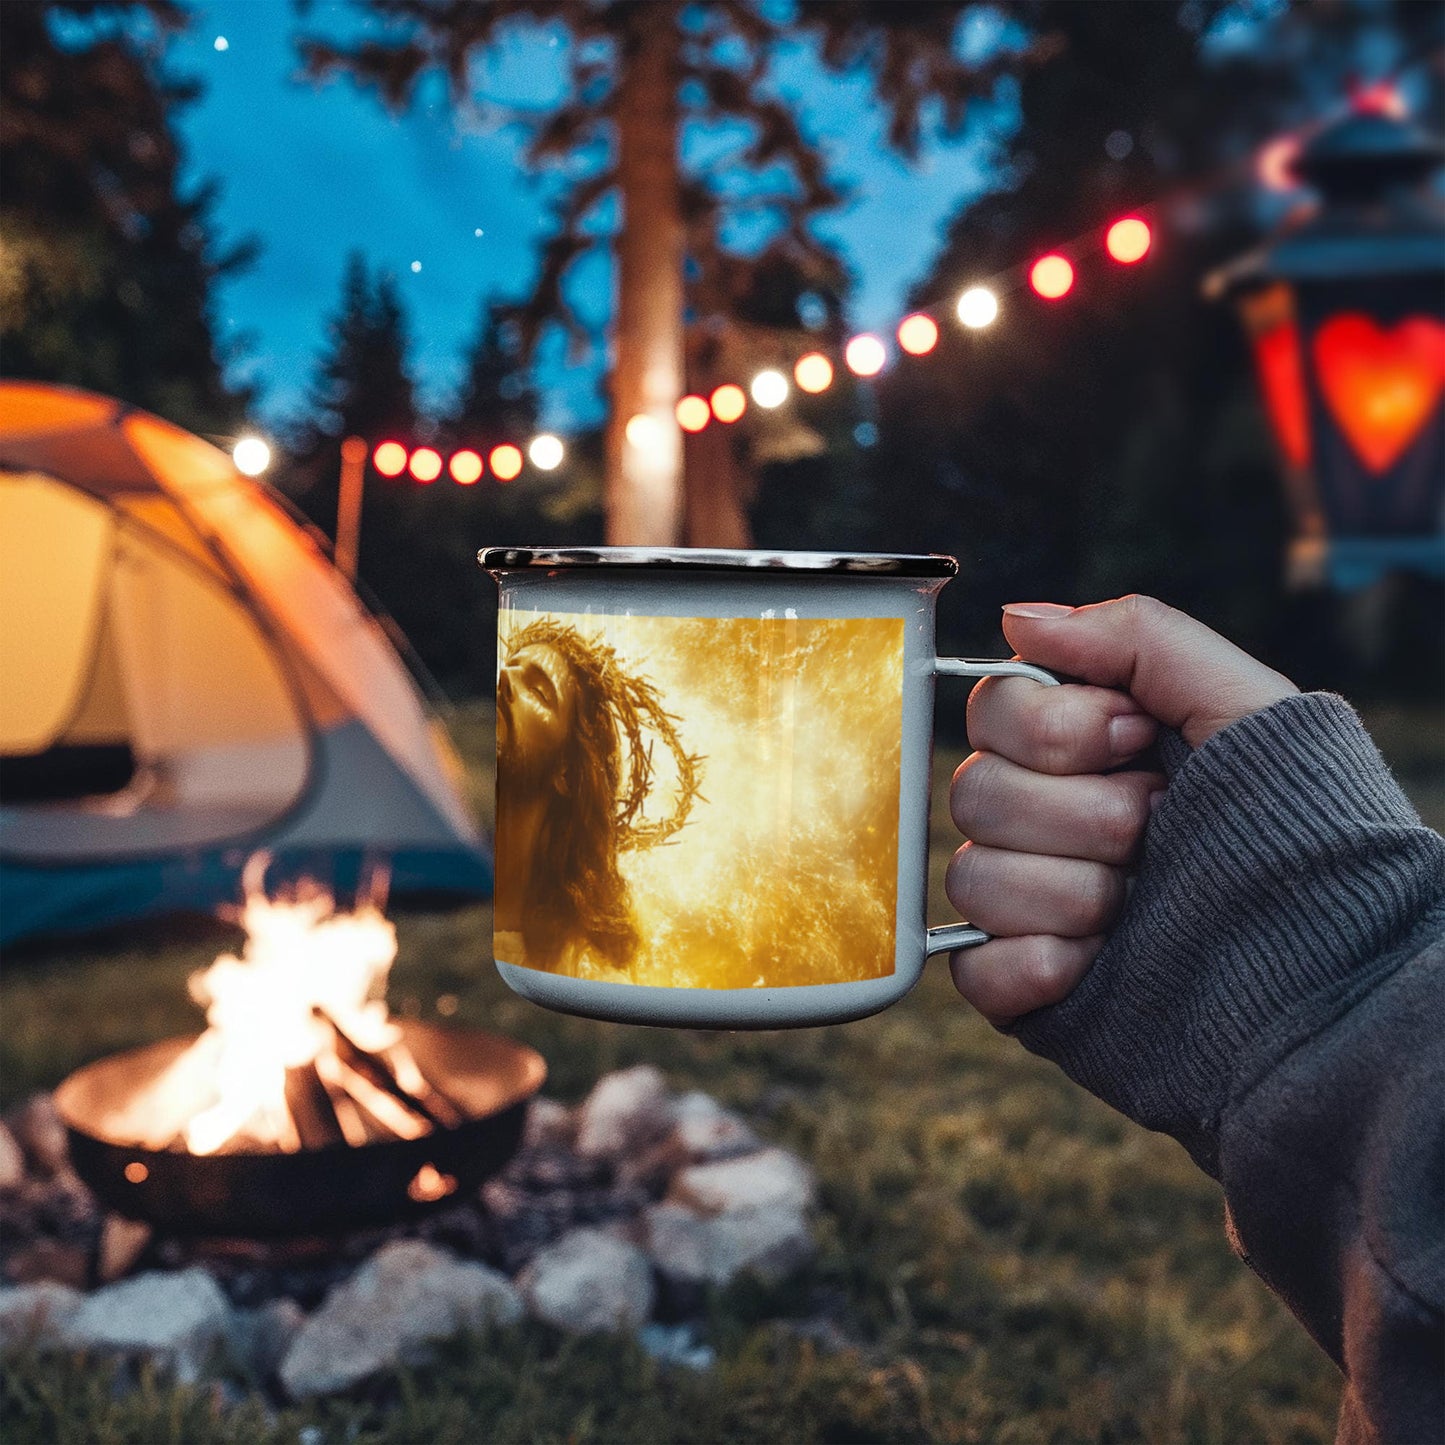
[446, 203]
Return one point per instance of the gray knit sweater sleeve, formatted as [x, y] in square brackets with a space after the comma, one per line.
[1274, 998]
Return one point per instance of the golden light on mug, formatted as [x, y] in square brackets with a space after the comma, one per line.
[977, 308]
[505, 462]
[865, 355]
[769, 389]
[918, 334]
[813, 373]
[546, 452]
[693, 413]
[728, 402]
[465, 467]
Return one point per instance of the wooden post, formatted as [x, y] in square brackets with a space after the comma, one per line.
[348, 506]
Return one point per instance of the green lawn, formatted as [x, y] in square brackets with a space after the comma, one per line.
[1002, 1257]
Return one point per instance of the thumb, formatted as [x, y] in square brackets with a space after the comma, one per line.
[1175, 668]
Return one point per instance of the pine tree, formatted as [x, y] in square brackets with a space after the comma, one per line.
[108, 268]
[641, 71]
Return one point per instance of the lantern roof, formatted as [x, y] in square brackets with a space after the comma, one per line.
[1375, 217]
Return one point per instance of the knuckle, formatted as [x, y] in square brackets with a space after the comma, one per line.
[1097, 899]
[1123, 817]
[969, 795]
[1053, 730]
[1046, 970]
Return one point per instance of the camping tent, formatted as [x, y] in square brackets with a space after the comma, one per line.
[185, 679]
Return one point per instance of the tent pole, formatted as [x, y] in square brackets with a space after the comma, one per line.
[348, 506]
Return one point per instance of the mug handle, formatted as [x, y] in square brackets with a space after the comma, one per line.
[953, 936]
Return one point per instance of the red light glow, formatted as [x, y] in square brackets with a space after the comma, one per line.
[1282, 379]
[1052, 277]
[465, 467]
[389, 459]
[1128, 240]
[729, 402]
[425, 464]
[693, 413]
[505, 462]
[918, 334]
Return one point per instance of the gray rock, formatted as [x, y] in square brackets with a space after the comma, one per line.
[589, 1280]
[625, 1112]
[407, 1294]
[36, 1313]
[548, 1122]
[39, 1132]
[122, 1242]
[676, 1345]
[176, 1320]
[694, 1249]
[261, 1337]
[12, 1160]
[753, 1181]
[706, 1131]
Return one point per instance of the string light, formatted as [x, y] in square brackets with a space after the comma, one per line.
[546, 452]
[769, 389]
[918, 334]
[1052, 276]
[978, 307]
[465, 467]
[1128, 240]
[813, 373]
[251, 455]
[389, 459]
[642, 431]
[425, 464]
[865, 355]
[693, 413]
[728, 402]
[505, 462]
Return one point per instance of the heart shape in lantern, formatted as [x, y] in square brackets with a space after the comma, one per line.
[1381, 385]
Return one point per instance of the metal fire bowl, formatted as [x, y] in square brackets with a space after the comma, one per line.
[313, 1191]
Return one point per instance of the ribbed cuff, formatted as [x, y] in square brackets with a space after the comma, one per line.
[1283, 864]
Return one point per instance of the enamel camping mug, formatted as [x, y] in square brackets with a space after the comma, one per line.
[713, 782]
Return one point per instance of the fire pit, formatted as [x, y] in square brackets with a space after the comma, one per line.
[304, 1108]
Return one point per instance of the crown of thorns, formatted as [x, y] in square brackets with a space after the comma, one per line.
[637, 709]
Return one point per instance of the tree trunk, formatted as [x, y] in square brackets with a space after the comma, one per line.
[644, 473]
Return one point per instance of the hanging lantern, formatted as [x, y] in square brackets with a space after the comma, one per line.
[1345, 309]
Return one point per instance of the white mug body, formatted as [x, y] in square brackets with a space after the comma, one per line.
[847, 643]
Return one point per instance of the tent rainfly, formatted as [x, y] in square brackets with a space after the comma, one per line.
[185, 679]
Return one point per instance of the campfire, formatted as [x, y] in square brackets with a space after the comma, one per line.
[304, 1105]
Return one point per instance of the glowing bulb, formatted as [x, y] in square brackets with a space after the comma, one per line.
[728, 402]
[505, 462]
[425, 464]
[918, 334]
[221, 43]
[865, 355]
[389, 459]
[769, 389]
[643, 431]
[465, 467]
[1274, 164]
[546, 452]
[1128, 240]
[978, 307]
[693, 413]
[813, 373]
[251, 456]
[1052, 277]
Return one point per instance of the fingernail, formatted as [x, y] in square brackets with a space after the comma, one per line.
[1036, 609]
[1131, 733]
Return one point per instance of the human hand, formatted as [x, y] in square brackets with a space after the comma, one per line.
[1052, 825]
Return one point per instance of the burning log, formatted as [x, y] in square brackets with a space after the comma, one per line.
[395, 1072]
[311, 1108]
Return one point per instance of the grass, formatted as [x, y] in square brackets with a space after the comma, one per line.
[1002, 1257]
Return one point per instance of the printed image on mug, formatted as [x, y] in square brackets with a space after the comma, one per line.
[698, 802]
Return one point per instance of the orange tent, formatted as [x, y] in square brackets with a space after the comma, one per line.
[185, 678]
